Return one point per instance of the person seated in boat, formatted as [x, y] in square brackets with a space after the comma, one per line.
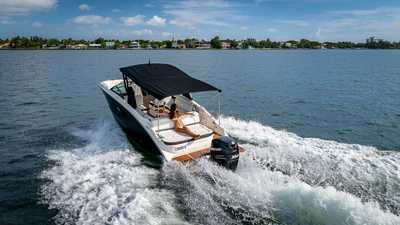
[176, 116]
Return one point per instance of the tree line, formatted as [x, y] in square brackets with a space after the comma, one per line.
[36, 42]
[304, 44]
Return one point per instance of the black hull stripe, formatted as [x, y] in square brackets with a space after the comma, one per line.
[130, 125]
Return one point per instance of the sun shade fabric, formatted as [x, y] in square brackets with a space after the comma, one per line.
[163, 80]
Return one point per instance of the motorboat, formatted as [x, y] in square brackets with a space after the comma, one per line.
[141, 103]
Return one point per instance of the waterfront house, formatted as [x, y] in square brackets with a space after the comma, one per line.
[94, 46]
[80, 46]
[203, 45]
[110, 44]
[372, 40]
[77, 47]
[53, 47]
[5, 45]
[191, 43]
[289, 45]
[174, 44]
[134, 44]
[225, 45]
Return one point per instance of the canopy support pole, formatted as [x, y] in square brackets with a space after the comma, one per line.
[219, 108]
[158, 116]
[125, 81]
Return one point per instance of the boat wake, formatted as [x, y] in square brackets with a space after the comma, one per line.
[105, 182]
[364, 171]
[282, 179]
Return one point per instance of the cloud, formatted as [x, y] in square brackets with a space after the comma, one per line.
[367, 12]
[299, 23]
[181, 23]
[191, 13]
[361, 23]
[24, 7]
[132, 34]
[131, 21]
[140, 19]
[5, 21]
[272, 30]
[84, 7]
[261, 1]
[142, 32]
[91, 20]
[37, 24]
[166, 34]
[318, 33]
[156, 21]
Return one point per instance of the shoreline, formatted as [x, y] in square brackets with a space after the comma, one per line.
[194, 49]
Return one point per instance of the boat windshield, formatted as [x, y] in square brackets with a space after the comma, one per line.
[119, 89]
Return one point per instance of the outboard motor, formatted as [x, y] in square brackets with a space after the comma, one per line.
[225, 152]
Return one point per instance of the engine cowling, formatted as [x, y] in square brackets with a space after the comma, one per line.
[225, 152]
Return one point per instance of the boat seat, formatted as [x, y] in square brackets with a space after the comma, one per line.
[172, 137]
[165, 123]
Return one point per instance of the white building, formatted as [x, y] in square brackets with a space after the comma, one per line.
[371, 40]
[134, 44]
[94, 45]
[225, 45]
[203, 45]
[5, 45]
[78, 46]
[174, 44]
[110, 44]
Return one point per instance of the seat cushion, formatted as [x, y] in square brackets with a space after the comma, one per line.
[166, 123]
[200, 129]
[172, 137]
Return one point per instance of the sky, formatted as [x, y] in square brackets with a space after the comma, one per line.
[322, 20]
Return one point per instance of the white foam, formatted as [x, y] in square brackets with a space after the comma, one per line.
[105, 182]
[364, 171]
[101, 184]
[258, 196]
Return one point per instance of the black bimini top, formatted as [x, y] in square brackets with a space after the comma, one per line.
[164, 80]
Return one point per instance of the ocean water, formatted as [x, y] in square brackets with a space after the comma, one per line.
[321, 129]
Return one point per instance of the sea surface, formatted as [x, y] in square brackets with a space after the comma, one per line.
[322, 130]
